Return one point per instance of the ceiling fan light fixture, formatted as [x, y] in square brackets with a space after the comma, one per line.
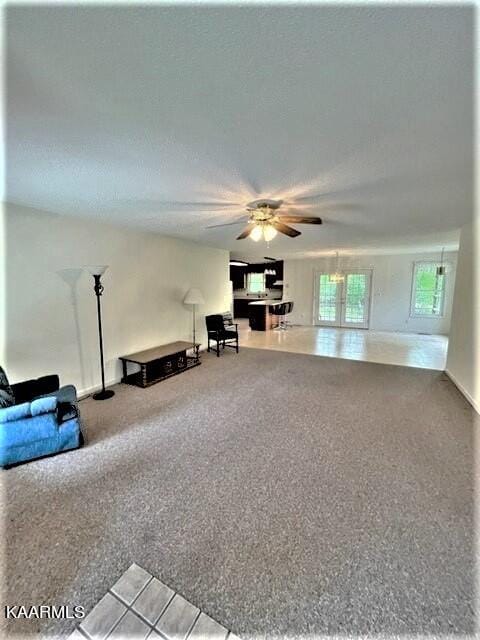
[256, 233]
[269, 232]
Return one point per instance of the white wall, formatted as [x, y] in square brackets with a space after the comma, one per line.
[51, 322]
[463, 349]
[3, 287]
[391, 289]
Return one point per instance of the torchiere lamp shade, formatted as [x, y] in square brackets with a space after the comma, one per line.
[194, 296]
[97, 270]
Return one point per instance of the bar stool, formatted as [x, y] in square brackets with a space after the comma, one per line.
[280, 310]
[289, 309]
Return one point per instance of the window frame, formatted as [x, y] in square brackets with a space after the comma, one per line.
[429, 316]
[256, 273]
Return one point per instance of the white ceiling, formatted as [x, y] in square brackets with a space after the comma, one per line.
[122, 113]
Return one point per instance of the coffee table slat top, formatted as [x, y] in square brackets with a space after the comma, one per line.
[144, 357]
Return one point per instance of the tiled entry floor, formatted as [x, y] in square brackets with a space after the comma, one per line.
[139, 606]
[405, 349]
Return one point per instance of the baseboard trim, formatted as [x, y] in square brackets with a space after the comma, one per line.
[463, 391]
[84, 393]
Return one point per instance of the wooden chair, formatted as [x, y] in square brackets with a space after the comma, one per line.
[217, 332]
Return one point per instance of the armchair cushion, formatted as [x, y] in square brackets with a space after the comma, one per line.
[7, 398]
[31, 389]
[15, 412]
[28, 410]
[43, 405]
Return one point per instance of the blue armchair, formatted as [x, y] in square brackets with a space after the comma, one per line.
[41, 424]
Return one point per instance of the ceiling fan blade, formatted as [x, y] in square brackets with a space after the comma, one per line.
[283, 228]
[301, 219]
[245, 233]
[161, 206]
[242, 220]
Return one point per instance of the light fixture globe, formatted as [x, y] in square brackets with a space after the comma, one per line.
[269, 232]
[256, 233]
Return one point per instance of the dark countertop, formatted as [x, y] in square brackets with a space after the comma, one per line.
[268, 303]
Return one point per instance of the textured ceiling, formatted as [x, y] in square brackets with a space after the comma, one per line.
[124, 113]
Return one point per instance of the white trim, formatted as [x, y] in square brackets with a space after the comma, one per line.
[84, 393]
[463, 391]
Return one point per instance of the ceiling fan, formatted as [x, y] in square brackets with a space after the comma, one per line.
[264, 222]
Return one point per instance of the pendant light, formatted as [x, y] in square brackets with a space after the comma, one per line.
[441, 268]
[337, 277]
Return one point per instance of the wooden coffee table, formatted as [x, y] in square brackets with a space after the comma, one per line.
[160, 363]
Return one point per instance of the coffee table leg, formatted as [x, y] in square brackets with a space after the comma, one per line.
[144, 375]
[124, 367]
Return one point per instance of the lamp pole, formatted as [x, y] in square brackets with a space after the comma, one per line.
[194, 297]
[194, 341]
[104, 394]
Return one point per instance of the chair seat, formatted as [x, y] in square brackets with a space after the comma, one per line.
[226, 334]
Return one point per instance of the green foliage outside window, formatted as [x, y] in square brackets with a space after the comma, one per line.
[429, 290]
[256, 282]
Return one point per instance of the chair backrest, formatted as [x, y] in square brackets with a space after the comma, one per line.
[278, 309]
[227, 319]
[214, 322]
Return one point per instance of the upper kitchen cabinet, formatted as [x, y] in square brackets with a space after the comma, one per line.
[238, 276]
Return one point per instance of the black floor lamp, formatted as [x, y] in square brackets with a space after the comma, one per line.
[97, 272]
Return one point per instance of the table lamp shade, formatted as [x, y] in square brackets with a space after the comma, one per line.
[194, 296]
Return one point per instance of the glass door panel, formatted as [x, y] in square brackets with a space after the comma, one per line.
[345, 303]
[328, 300]
[356, 300]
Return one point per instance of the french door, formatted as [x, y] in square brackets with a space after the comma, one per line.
[344, 302]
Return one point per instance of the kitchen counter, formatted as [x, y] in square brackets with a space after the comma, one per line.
[260, 314]
[241, 304]
[268, 302]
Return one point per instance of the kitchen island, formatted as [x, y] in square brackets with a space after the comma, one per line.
[261, 316]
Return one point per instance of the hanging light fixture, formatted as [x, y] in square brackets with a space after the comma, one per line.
[441, 268]
[265, 230]
[269, 232]
[256, 233]
[337, 276]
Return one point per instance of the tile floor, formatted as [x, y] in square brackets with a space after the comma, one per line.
[139, 606]
[407, 349]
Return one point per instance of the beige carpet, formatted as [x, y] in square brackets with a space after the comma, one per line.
[282, 494]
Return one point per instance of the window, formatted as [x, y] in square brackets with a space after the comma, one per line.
[256, 282]
[428, 290]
